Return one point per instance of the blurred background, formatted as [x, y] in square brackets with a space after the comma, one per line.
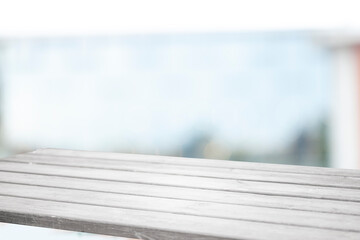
[206, 79]
[265, 81]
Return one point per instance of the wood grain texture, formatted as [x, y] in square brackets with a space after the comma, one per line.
[227, 197]
[197, 171]
[199, 162]
[157, 197]
[186, 207]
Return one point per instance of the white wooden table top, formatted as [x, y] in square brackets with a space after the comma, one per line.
[165, 198]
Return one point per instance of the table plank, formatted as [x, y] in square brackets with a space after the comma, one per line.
[186, 207]
[184, 180]
[157, 197]
[197, 171]
[215, 196]
[150, 225]
[198, 162]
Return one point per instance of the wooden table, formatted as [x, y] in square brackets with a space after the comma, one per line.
[165, 198]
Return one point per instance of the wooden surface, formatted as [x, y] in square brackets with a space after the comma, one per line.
[165, 198]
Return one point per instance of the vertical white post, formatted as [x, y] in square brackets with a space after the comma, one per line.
[344, 143]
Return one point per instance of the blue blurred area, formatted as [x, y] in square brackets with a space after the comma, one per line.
[256, 96]
[17, 232]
